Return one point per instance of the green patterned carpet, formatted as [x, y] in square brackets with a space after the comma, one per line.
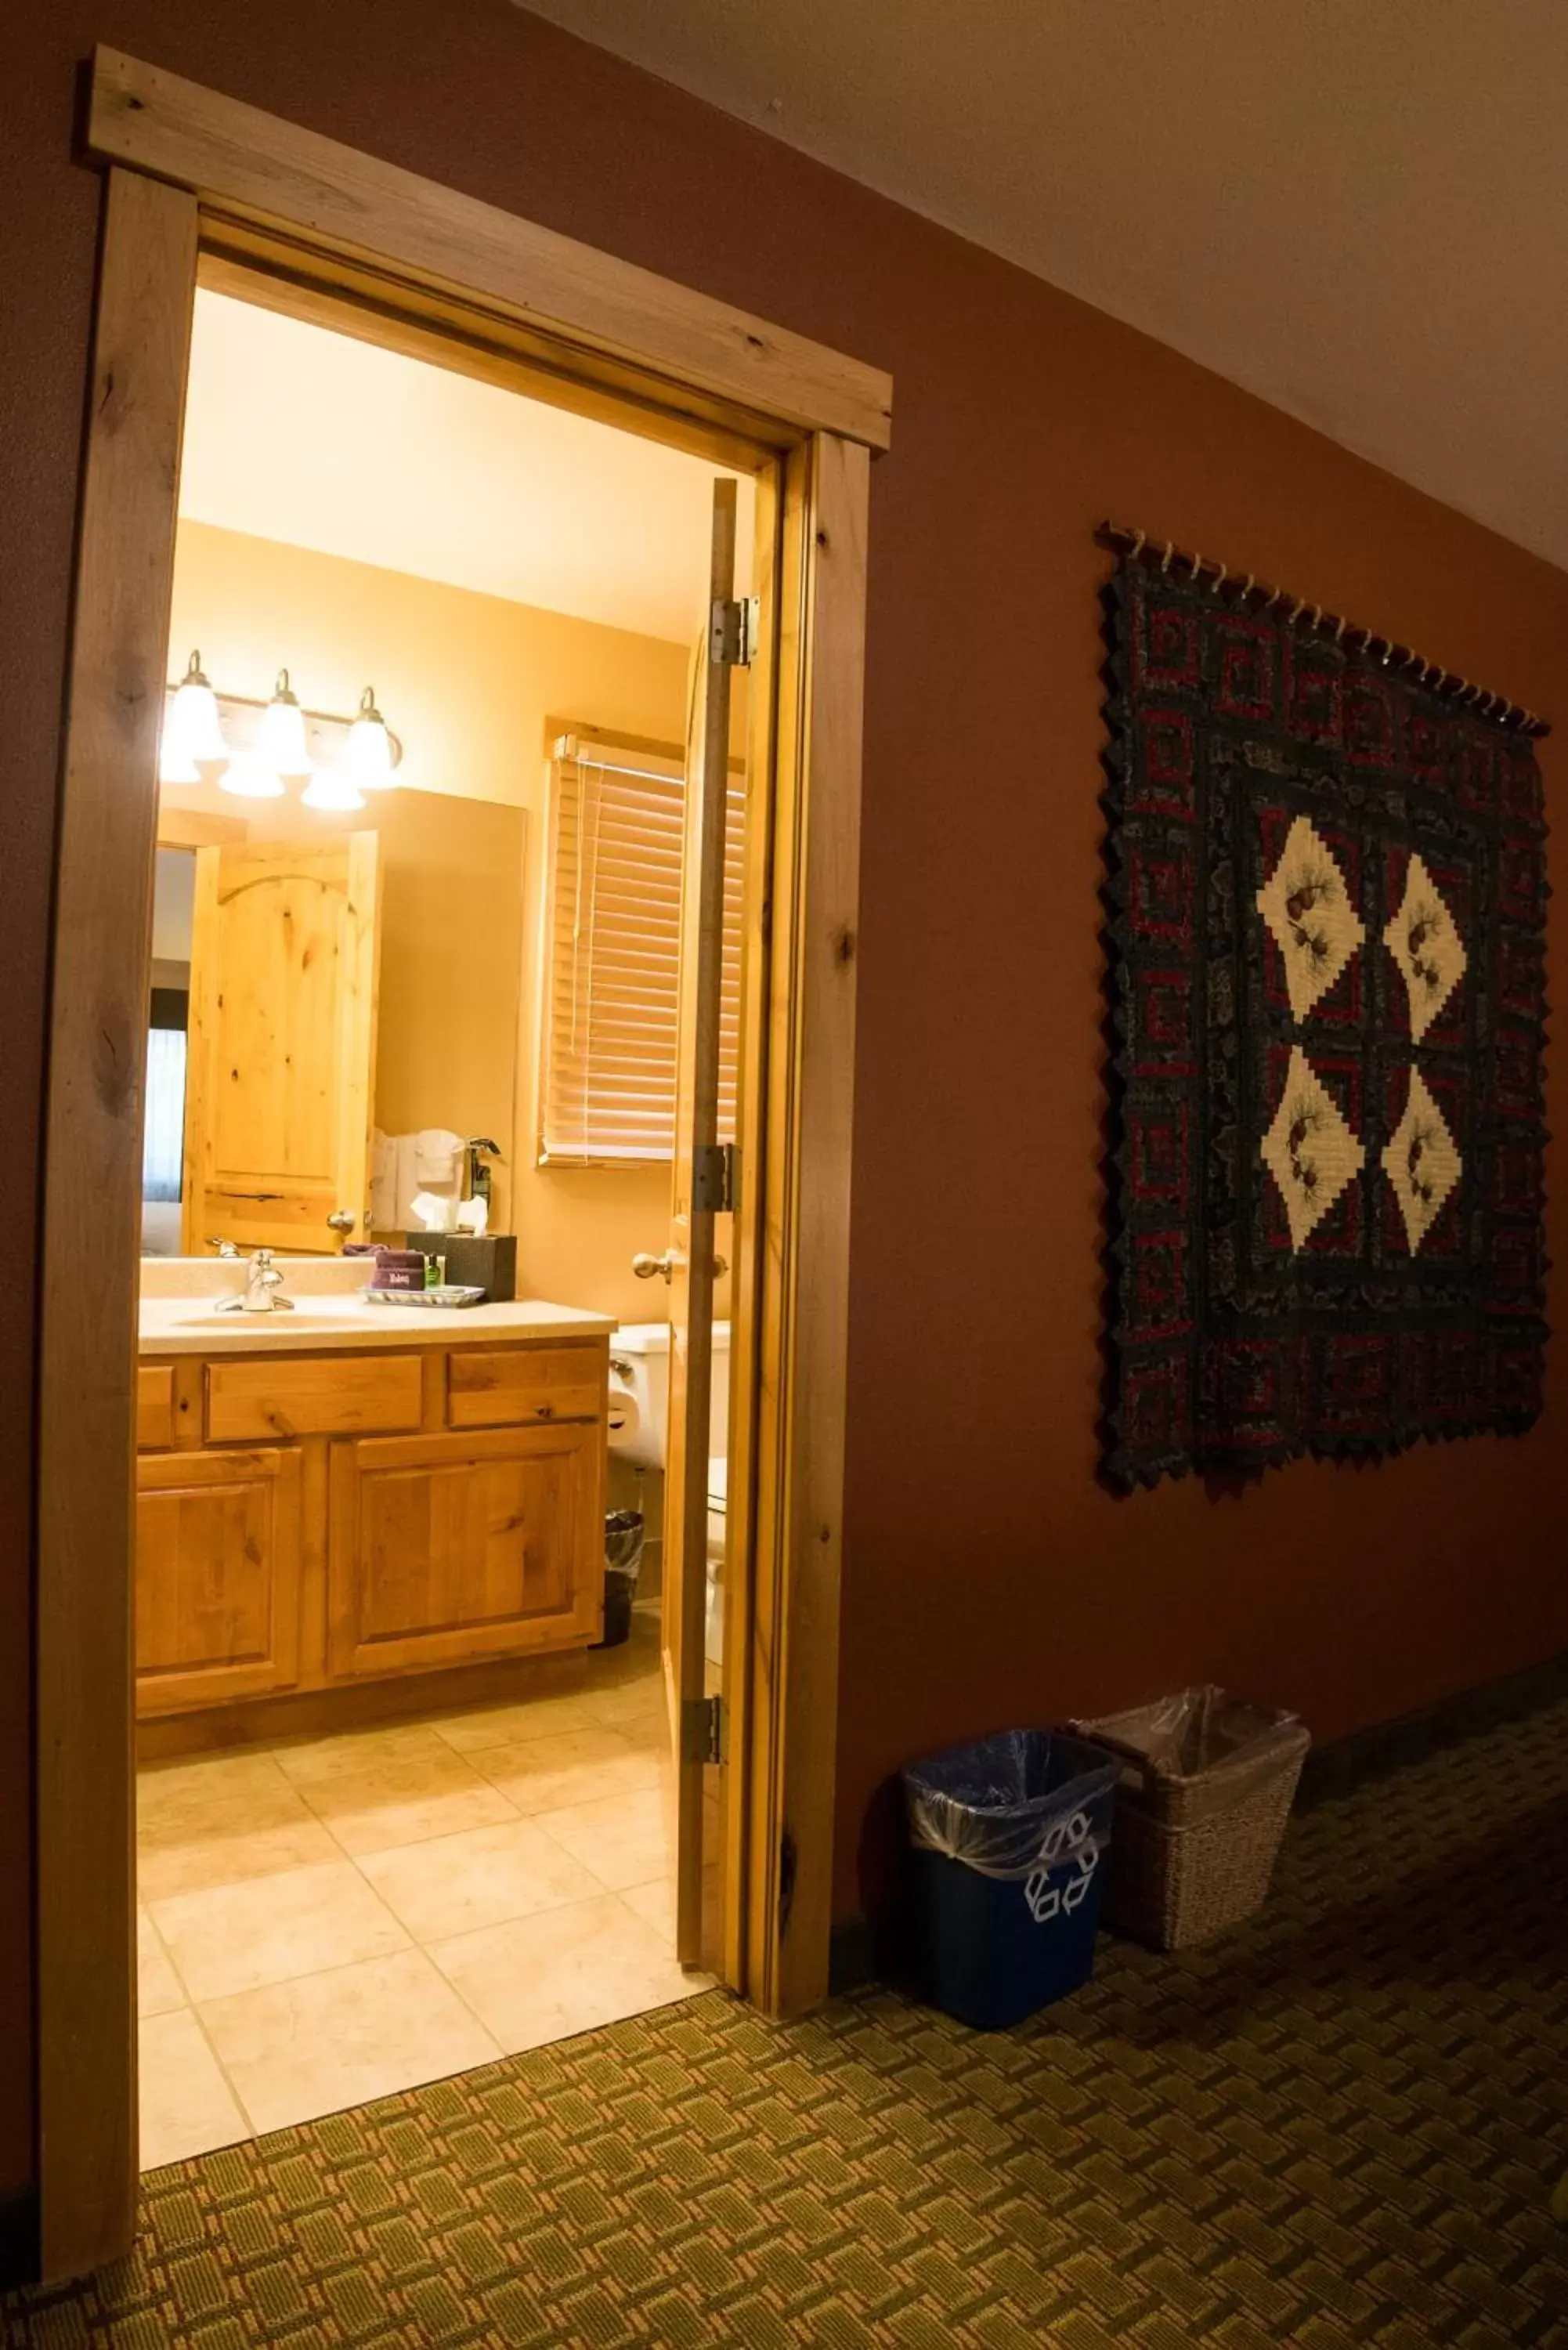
[1341, 2127]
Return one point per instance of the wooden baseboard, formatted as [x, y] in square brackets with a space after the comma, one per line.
[1342, 1765]
[20, 2262]
[314, 1713]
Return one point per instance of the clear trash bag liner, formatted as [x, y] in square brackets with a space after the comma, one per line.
[1200, 1740]
[1022, 1804]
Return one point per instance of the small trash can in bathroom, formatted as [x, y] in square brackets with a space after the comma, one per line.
[624, 1535]
[1008, 1840]
[1205, 1786]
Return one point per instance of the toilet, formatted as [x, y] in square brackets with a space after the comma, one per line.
[638, 1424]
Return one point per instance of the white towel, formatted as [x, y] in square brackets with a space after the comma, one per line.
[403, 1164]
[438, 1160]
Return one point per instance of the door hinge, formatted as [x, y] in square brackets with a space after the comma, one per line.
[732, 631]
[702, 1729]
[713, 1179]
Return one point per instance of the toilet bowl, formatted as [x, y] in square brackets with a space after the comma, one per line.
[638, 1428]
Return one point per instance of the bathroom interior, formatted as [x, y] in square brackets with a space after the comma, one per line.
[414, 966]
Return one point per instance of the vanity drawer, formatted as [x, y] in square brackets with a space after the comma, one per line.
[523, 1385]
[154, 1407]
[315, 1395]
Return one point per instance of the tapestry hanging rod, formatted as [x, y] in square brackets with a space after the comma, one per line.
[1139, 546]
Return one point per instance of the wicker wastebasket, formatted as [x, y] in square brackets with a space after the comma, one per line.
[1206, 1788]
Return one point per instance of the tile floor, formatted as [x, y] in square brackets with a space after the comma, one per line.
[329, 1919]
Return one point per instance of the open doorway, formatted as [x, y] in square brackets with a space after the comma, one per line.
[407, 1787]
[197, 184]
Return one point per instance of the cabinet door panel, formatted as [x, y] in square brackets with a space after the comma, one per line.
[217, 1578]
[446, 1548]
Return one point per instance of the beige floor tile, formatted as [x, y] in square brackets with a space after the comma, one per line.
[407, 1799]
[296, 2050]
[621, 1838]
[542, 1979]
[623, 1702]
[649, 1733]
[580, 1767]
[169, 1862]
[236, 1937]
[187, 2106]
[159, 1990]
[216, 1795]
[309, 1762]
[506, 1725]
[654, 1905]
[457, 1883]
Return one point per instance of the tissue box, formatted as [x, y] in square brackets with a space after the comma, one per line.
[488, 1261]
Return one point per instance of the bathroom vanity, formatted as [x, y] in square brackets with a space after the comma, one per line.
[348, 1494]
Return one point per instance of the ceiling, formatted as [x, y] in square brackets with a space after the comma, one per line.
[298, 434]
[1356, 208]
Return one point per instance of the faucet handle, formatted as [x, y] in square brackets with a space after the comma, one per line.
[225, 1247]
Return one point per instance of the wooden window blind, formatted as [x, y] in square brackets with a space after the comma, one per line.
[612, 947]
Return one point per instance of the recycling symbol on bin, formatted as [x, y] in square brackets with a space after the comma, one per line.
[1068, 1848]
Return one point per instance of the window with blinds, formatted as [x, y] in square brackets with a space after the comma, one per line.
[612, 945]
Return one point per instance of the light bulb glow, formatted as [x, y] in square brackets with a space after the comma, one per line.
[370, 755]
[250, 777]
[194, 737]
[332, 791]
[283, 744]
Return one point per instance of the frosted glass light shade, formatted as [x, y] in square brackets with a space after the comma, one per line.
[331, 790]
[250, 777]
[369, 759]
[173, 767]
[193, 735]
[283, 744]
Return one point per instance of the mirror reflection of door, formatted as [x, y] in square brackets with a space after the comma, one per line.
[284, 966]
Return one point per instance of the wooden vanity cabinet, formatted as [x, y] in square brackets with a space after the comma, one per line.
[447, 1548]
[217, 1578]
[311, 1519]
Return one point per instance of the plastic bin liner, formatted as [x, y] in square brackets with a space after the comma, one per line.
[1201, 1744]
[1018, 1805]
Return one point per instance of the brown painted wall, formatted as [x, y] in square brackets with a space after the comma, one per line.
[987, 1577]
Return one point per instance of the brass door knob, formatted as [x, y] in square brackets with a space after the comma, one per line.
[646, 1266]
[342, 1220]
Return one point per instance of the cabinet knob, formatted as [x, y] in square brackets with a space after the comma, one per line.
[342, 1220]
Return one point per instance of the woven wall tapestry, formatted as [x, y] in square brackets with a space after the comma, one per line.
[1327, 894]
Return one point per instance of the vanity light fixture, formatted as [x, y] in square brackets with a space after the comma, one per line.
[193, 738]
[250, 777]
[283, 744]
[332, 791]
[253, 750]
[370, 755]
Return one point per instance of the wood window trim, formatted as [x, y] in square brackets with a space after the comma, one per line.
[189, 170]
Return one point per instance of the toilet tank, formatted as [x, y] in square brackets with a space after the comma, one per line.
[639, 1393]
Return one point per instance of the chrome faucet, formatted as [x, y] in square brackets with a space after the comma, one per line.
[262, 1282]
[224, 1248]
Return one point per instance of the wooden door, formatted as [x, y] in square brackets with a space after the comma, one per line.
[445, 1549]
[285, 959]
[691, 1244]
[217, 1578]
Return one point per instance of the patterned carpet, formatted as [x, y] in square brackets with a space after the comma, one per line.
[1341, 2127]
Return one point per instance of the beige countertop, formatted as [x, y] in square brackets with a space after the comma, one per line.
[180, 1296]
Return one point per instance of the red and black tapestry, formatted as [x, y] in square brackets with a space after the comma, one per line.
[1327, 897]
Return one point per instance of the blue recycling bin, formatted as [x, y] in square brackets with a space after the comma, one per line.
[1009, 1843]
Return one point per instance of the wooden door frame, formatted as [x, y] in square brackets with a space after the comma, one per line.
[191, 172]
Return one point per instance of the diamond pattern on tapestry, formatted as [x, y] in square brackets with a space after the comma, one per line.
[1309, 1150]
[1422, 1162]
[1424, 940]
[1313, 1250]
[1307, 907]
